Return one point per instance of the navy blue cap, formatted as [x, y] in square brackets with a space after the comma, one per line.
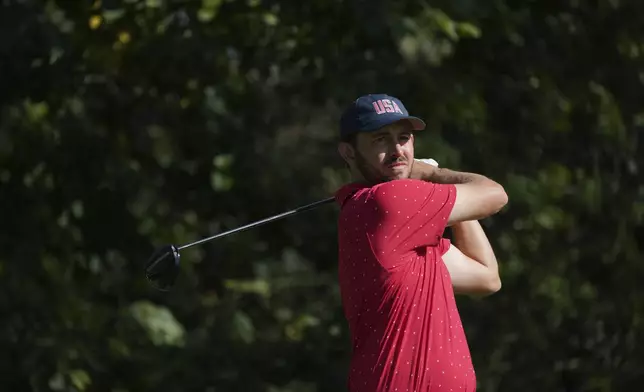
[373, 111]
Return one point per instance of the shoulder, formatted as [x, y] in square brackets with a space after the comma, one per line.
[407, 190]
[397, 186]
[349, 191]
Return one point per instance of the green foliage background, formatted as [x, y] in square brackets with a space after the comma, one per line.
[128, 124]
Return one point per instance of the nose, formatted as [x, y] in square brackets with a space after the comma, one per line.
[397, 150]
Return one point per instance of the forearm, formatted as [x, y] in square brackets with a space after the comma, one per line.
[470, 238]
[430, 173]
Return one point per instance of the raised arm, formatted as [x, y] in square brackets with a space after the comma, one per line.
[471, 261]
[477, 196]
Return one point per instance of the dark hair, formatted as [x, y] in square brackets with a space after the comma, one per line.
[350, 138]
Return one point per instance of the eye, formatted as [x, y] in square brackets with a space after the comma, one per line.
[405, 138]
[379, 139]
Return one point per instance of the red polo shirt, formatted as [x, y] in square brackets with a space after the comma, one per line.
[396, 291]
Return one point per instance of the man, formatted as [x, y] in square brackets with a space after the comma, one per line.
[397, 274]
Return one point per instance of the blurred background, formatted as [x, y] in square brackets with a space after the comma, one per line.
[125, 125]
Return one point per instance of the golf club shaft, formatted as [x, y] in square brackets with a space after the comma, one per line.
[261, 222]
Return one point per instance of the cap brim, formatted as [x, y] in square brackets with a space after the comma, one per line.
[416, 123]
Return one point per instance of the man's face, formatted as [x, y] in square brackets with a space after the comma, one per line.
[383, 155]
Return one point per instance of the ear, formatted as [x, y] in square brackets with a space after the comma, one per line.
[347, 152]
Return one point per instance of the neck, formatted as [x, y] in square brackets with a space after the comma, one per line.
[360, 179]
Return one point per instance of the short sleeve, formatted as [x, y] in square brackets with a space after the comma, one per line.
[408, 214]
[444, 245]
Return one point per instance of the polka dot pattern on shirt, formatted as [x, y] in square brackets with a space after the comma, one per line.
[396, 292]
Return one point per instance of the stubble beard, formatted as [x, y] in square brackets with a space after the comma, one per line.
[369, 173]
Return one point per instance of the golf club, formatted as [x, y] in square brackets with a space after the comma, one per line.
[162, 267]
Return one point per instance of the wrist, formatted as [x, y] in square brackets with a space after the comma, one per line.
[461, 226]
[423, 169]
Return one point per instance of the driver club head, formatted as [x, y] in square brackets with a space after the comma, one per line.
[162, 267]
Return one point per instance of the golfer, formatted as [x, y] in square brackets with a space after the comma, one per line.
[397, 273]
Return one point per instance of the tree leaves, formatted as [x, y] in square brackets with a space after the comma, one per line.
[126, 125]
[159, 323]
